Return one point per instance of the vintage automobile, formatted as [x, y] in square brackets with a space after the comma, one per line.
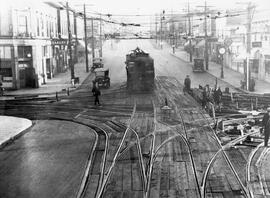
[198, 65]
[97, 63]
[102, 78]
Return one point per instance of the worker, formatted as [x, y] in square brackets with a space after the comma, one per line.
[204, 98]
[266, 125]
[1, 87]
[187, 84]
[96, 93]
[217, 97]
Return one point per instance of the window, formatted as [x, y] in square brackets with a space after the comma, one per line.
[22, 24]
[24, 52]
[267, 66]
[5, 52]
[38, 30]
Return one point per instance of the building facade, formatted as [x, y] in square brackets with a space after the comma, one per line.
[33, 43]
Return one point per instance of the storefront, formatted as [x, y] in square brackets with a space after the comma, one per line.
[60, 52]
[7, 66]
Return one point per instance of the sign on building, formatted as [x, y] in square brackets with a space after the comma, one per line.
[257, 44]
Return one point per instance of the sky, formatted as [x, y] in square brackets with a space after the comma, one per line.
[147, 8]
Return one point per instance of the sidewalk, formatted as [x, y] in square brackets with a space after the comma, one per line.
[59, 83]
[230, 76]
[11, 128]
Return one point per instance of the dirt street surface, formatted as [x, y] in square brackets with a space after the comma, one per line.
[130, 146]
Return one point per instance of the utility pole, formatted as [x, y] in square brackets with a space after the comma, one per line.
[85, 40]
[70, 62]
[93, 44]
[189, 36]
[156, 26]
[76, 39]
[249, 21]
[100, 36]
[161, 31]
[206, 39]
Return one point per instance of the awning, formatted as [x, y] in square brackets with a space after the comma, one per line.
[82, 44]
[200, 44]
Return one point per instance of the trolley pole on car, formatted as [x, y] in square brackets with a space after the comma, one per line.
[70, 62]
[85, 40]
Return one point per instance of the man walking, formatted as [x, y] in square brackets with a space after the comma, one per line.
[187, 84]
[266, 125]
[96, 93]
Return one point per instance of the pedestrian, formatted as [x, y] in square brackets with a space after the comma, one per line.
[96, 93]
[266, 126]
[204, 98]
[1, 88]
[187, 84]
[217, 97]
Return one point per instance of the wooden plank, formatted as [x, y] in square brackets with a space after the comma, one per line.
[136, 177]
[126, 176]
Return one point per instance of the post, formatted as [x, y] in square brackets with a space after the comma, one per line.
[100, 37]
[76, 39]
[206, 42]
[222, 67]
[93, 44]
[249, 20]
[70, 62]
[161, 31]
[85, 40]
[189, 34]
[156, 27]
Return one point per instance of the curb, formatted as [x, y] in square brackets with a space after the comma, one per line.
[13, 138]
[238, 89]
[44, 95]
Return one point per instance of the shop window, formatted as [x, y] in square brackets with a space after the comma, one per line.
[267, 66]
[5, 52]
[24, 52]
[254, 65]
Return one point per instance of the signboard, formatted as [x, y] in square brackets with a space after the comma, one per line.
[59, 42]
[257, 44]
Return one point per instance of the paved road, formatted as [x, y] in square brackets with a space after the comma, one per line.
[165, 63]
[47, 161]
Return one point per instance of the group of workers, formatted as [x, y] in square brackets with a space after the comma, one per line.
[208, 94]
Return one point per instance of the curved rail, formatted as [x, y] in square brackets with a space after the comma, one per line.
[152, 150]
[246, 192]
[116, 155]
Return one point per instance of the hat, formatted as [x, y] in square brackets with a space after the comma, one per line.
[268, 109]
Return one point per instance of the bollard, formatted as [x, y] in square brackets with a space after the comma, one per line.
[56, 96]
[256, 103]
[251, 104]
[68, 91]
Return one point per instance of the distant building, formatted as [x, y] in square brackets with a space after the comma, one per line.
[33, 43]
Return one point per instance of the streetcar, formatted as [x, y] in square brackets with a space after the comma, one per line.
[140, 71]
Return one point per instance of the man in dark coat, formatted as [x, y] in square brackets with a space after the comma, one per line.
[96, 93]
[187, 84]
[266, 125]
